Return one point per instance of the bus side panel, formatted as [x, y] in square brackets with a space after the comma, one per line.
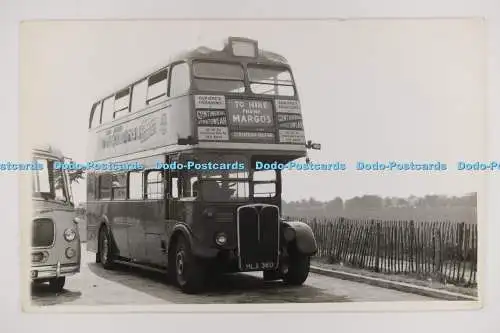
[155, 237]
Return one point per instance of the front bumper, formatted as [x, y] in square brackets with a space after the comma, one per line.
[53, 271]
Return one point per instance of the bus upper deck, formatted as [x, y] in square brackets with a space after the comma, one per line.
[237, 98]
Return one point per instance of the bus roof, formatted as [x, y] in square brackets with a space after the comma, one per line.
[211, 53]
[48, 150]
[263, 56]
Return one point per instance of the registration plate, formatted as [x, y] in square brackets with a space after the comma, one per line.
[260, 265]
[34, 274]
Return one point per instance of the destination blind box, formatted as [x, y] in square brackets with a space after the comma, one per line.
[243, 47]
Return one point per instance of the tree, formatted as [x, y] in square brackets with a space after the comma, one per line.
[75, 176]
[334, 207]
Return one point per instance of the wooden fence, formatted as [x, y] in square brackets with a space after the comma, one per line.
[443, 251]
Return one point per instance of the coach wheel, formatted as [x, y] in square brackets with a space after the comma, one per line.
[298, 269]
[189, 271]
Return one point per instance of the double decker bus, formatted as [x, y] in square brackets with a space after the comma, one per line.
[199, 201]
[55, 239]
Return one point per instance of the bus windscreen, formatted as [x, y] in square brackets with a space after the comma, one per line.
[213, 76]
[270, 81]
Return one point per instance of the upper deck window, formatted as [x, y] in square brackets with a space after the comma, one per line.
[157, 86]
[270, 81]
[122, 101]
[139, 95]
[96, 115]
[107, 110]
[222, 77]
[180, 80]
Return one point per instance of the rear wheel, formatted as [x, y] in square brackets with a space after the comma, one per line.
[105, 256]
[189, 272]
[298, 270]
[57, 284]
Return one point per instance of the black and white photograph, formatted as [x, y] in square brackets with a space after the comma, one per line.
[337, 164]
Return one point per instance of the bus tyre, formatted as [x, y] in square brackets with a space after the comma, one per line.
[57, 284]
[298, 270]
[189, 271]
[271, 275]
[105, 253]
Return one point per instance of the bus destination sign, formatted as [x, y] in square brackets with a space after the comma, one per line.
[211, 117]
[250, 113]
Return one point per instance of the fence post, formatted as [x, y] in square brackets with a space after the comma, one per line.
[377, 247]
[412, 237]
[341, 240]
[437, 251]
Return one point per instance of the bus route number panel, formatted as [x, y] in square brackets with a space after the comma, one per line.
[248, 120]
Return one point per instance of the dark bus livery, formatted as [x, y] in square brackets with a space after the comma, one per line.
[198, 126]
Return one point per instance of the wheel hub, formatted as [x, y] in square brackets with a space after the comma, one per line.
[104, 250]
[180, 263]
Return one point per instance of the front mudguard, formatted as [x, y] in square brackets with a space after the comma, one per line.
[198, 249]
[304, 240]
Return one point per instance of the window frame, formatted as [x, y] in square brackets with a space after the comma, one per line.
[125, 109]
[113, 188]
[250, 66]
[142, 174]
[147, 183]
[133, 89]
[149, 101]
[99, 186]
[97, 106]
[190, 71]
[112, 106]
[258, 182]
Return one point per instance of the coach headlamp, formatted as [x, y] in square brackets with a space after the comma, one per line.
[69, 234]
[220, 238]
[242, 47]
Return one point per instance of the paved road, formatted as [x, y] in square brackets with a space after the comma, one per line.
[128, 286]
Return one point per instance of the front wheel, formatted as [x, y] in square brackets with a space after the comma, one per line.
[189, 272]
[298, 270]
[57, 284]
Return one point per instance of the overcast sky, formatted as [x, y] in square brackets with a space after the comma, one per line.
[408, 90]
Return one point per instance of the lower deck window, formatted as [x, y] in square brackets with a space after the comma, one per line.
[155, 185]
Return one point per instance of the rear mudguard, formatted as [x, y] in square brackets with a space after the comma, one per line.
[304, 241]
